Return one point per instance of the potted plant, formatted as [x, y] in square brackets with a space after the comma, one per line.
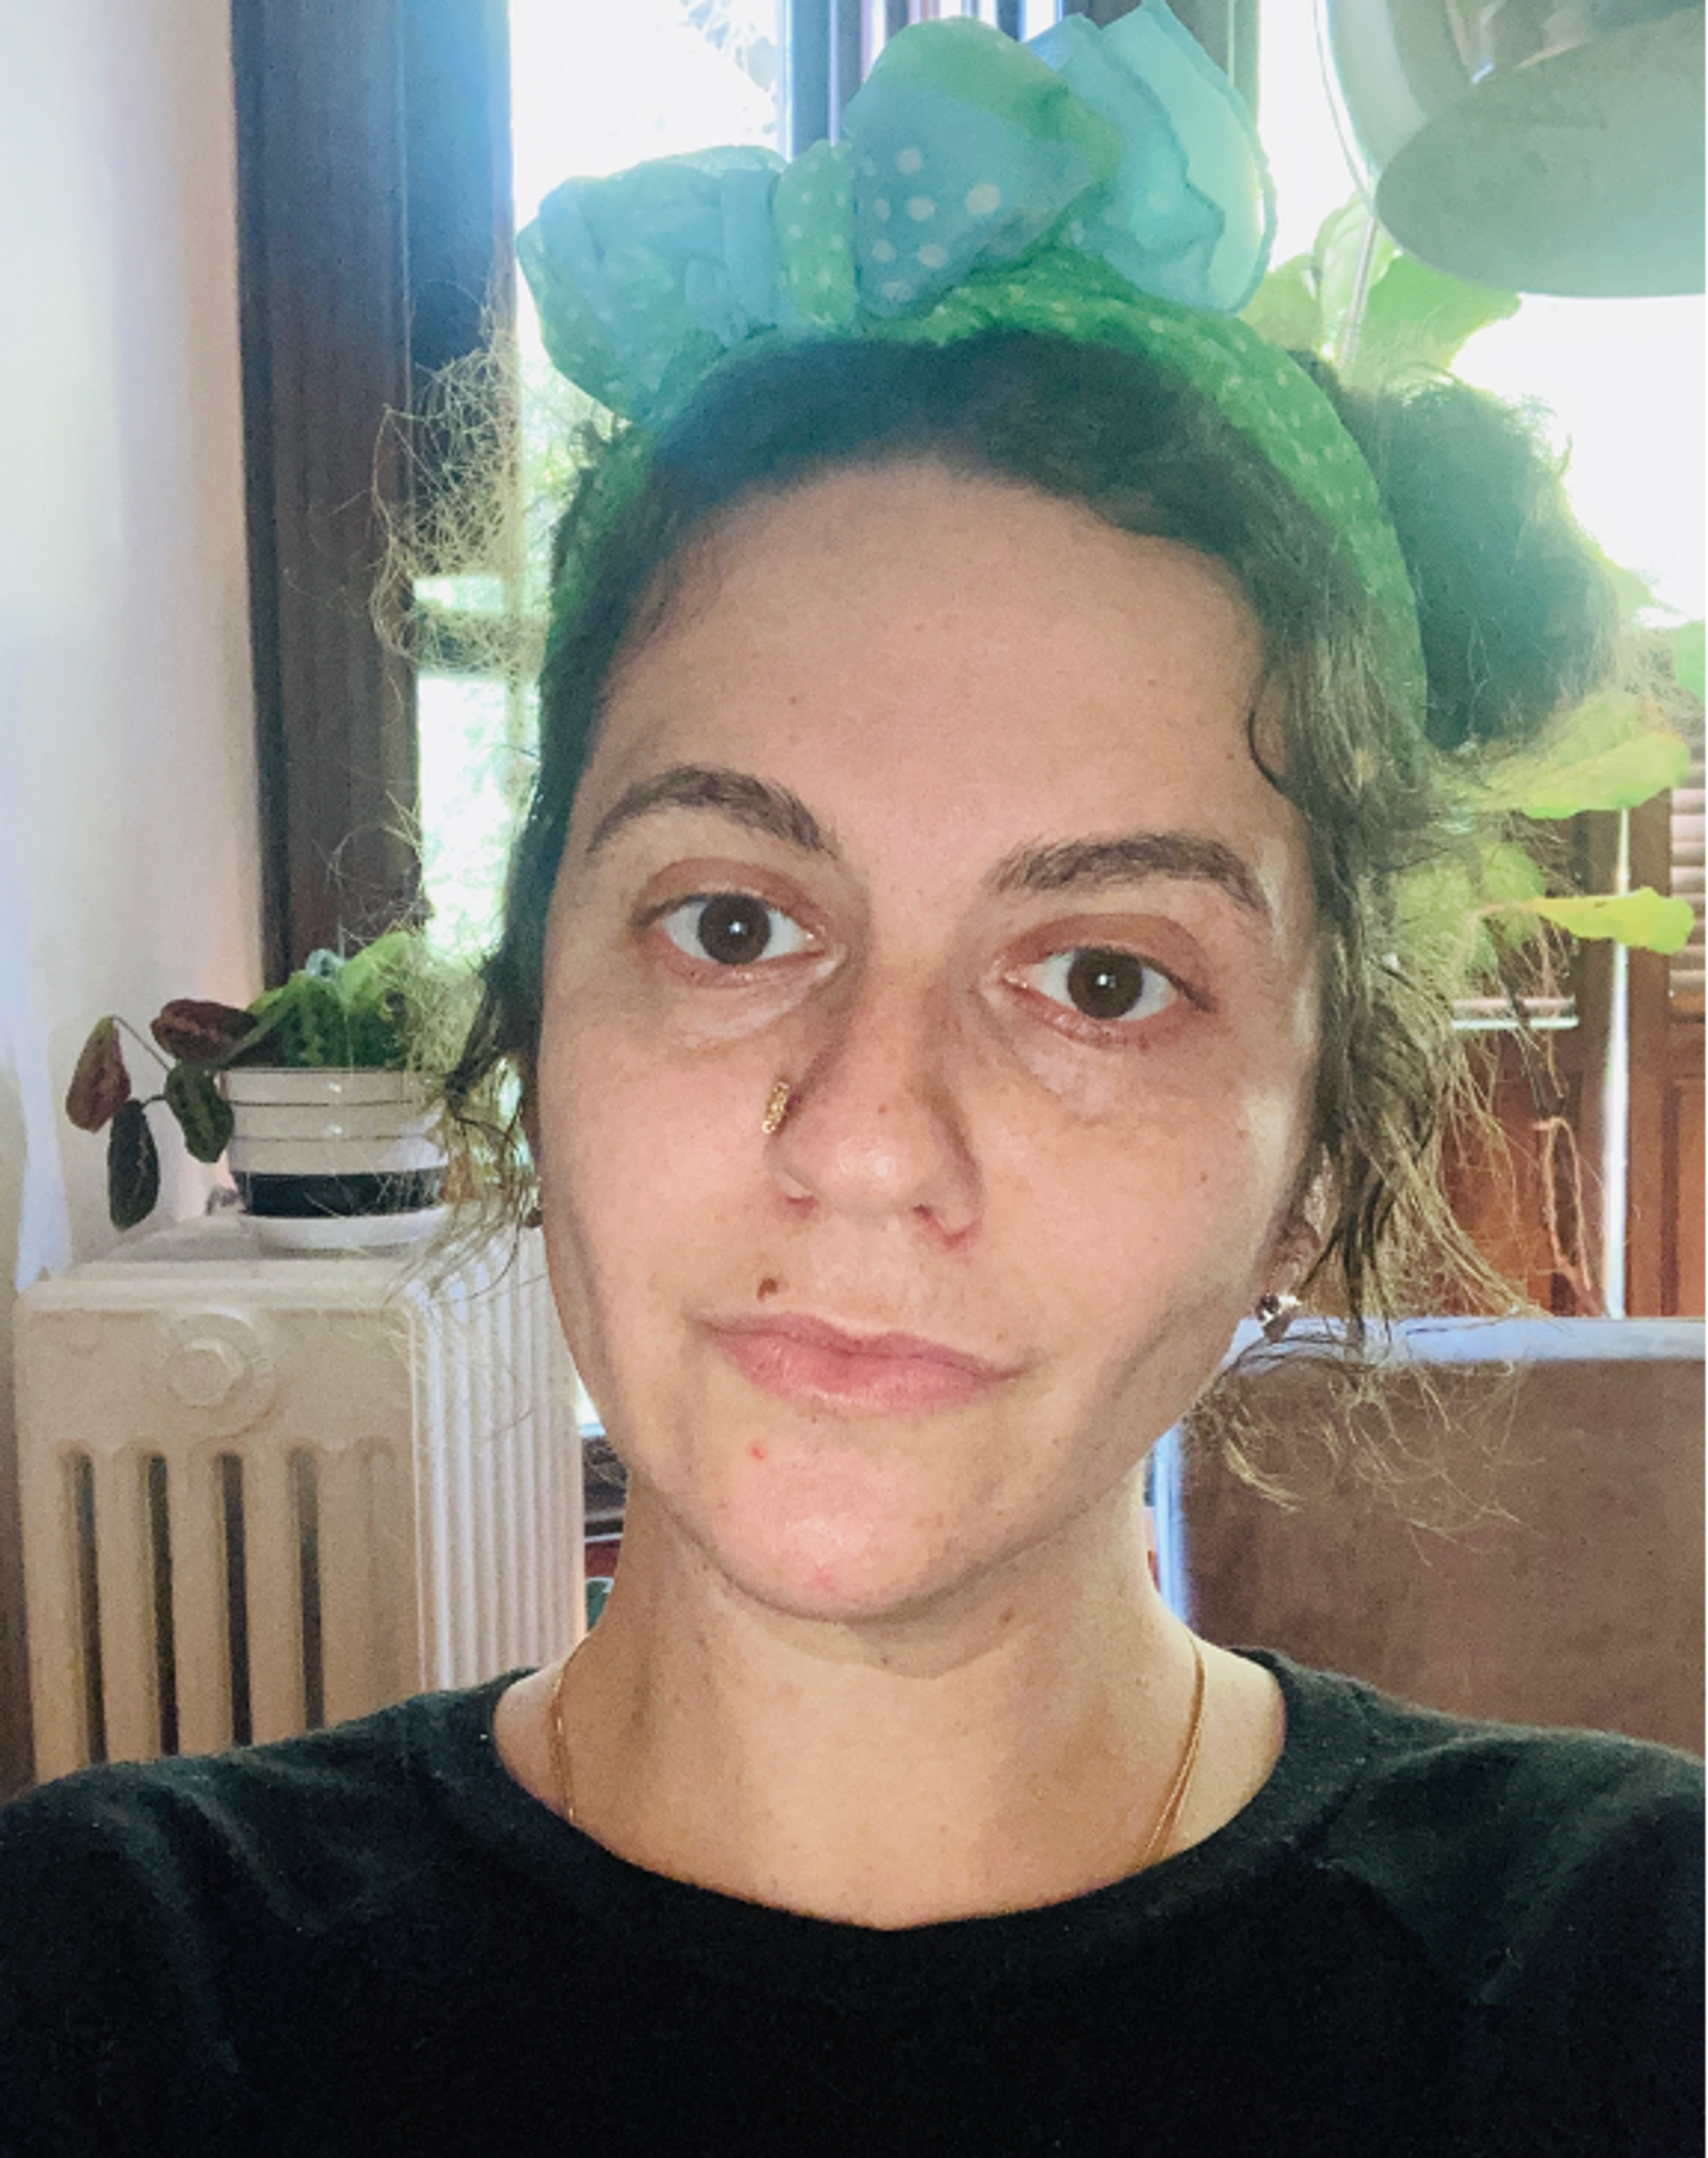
[322, 1095]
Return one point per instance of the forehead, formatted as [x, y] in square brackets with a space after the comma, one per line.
[925, 644]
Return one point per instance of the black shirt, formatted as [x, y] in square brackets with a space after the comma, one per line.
[1422, 1935]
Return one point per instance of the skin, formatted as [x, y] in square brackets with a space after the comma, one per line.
[897, 1666]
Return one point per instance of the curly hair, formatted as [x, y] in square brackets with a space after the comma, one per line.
[1516, 615]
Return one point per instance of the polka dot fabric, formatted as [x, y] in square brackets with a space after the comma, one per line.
[812, 218]
[975, 188]
[939, 189]
[965, 149]
[1257, 388]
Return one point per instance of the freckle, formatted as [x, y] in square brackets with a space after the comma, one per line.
[768, 1286]
[757, 1451]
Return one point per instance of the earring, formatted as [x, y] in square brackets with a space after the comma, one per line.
[776, 1108]
[1274, 1313]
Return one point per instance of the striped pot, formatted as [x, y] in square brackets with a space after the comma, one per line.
[332, 1147]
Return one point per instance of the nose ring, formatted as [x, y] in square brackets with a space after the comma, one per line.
[776, 1108]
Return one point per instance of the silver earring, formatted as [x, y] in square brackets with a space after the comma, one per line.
[1275, 1312]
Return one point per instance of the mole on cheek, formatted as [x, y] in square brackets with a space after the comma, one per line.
[768, 1286]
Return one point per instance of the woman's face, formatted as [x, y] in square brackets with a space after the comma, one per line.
[932, 797]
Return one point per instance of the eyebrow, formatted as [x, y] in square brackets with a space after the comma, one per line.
[1068, 865]
[1078, 863]
[737, 795]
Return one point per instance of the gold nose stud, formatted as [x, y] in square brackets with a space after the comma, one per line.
[776, 1108]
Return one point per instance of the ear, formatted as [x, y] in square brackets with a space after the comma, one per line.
[1299, 1237]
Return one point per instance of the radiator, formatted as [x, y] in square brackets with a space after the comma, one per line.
[264, 1492]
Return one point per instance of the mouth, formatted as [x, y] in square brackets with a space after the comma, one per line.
[797, 1359]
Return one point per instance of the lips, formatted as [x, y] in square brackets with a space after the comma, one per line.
[799, 1359]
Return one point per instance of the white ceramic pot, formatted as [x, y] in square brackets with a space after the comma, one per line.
[318, 1153]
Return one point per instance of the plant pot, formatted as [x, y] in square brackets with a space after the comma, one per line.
[326, 1158]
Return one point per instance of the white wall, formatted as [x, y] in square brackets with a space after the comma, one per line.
[128, 852]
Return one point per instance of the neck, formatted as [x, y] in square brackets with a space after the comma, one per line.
[1013, 1744]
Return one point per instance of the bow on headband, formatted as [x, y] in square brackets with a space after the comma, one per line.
[962, 151]
[1103, 184]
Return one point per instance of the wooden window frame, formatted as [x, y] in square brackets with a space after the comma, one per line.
[374, 221]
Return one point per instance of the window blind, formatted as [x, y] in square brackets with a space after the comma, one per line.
[1686, 973]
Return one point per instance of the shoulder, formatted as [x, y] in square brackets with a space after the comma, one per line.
[297, 1827]
[160, 1921]
[1524, 1862]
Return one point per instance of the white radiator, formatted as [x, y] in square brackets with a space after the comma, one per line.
[264, 1492]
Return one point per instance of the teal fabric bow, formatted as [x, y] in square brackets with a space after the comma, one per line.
[963, 150]
[1105, 184]
[969, 150]
[642, 281]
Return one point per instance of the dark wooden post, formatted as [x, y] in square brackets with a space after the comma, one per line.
[373, 207]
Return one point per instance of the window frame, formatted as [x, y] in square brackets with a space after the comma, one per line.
[374, 223]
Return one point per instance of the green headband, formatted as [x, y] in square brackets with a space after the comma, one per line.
[1104, 185]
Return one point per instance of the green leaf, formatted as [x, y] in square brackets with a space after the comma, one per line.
[1436, 907]
[1618, 779]
[1417, 317]
[1510, 878]
[1604, 720]
[387, 961]
[384, 987]
[1686, 643]
[1642, 918]
[312, 1028]
[1510, 873]
[1608, 753]
[203, 1112]
[1285, 308]
[133, 1167]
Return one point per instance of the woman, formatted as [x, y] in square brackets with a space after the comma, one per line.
[949, 962]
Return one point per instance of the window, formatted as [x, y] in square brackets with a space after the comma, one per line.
[595, 85]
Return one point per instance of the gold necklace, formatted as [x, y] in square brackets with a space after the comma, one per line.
[1158, 1841]
[560, 1744]
[1155, 1844]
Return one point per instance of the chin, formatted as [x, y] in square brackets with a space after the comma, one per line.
[836, 1533]
[822, 1572]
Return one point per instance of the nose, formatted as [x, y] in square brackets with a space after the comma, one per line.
[873, 1128]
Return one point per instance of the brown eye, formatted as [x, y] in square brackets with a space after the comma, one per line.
[1104, 985]
[733, 928]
